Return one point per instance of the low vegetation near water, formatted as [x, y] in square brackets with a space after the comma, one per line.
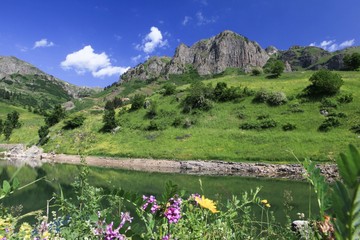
[95, 213]
[238, 117]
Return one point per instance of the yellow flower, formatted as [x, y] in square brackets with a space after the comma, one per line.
[206, 203]
[266, 203]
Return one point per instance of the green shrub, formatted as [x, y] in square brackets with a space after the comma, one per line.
[276, 69]
[328, 124]
[156, 125]
[267, 123]
[345, 98]
[152, 111]
[277, 98]
[199, 97]
[178, 121]
[256, 71]
[223, 94]
[289, 127]
[324, 83]
[356, 128]
[74, 122]
[137, 102]
[261, 96]
[352, 62]
[328, 103]
[169, 89]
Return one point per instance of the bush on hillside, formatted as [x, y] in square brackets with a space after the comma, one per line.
[328, 124]
[137, 102]
[289, 127]
[223, 94]
[328, 103]
[277, 98]
[276, 69]
[324, 83]
[199, 97]
[271, 98]
[169, 89]
[74, 122]
[256, 71]
[43, 133]
[345, 98]
[352, 62]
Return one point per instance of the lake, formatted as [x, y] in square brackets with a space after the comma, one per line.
[215, 187]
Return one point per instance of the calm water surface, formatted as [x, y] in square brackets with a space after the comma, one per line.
[216, 187]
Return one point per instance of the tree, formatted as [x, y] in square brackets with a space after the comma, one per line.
[169, 89]
[109, 120]
[1, 126]
[43, 133]
[57, 114]
[137, 102]
[277, 68]
[7, 129]
[324, 83]
[13, 118]
[74, 122]
[352, 62]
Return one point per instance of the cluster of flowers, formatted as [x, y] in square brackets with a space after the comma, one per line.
[106, 230]
[173, 209]
[150, 201]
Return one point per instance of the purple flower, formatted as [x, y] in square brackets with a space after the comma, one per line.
[173, 211]
[150, 200]
[166, 237]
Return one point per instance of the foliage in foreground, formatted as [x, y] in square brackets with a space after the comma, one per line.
[98, 214]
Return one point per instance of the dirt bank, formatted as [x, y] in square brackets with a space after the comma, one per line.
[198, 167]
[34, 156]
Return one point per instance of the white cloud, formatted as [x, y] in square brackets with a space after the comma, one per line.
[202, 20]
[110, 71]
[43, 43]
[86, 60]
[136, 59]
[153, 40]
[332, 46]
[347, 43]
[186, 20]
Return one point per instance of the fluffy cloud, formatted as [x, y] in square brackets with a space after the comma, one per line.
[86, 60]
[43, 43]
[202, 20]
[186, 20]
[152, 40]
[332, 46]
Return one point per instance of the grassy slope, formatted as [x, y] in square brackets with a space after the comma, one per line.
[30, 125]
[216, 134]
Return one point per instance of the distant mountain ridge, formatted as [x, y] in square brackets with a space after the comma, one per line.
[24, 84]
[231, 50]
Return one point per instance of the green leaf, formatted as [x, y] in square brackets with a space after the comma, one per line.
[15, 183]
[6, 187]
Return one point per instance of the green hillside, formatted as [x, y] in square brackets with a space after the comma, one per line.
[30, 124]
[216, 133]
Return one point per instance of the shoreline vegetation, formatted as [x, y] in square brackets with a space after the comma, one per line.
[18, 155]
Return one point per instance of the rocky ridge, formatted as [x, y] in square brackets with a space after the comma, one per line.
[208, 56]
[231, 50]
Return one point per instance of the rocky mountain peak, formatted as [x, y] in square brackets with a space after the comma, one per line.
[207, 56]
[10, 65]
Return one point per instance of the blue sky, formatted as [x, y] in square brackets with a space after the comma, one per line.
[90, 42]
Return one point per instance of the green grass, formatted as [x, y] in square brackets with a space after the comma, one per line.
[30, 123]
[216, 133]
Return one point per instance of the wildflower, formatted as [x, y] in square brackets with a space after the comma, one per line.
[166, 237]
[266, 203]
[25, 231]
[207, 203]
[173, 210]
[150, 200]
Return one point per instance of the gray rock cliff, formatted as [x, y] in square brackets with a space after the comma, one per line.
[209, 56]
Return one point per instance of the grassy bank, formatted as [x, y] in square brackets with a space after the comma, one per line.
[216, 134]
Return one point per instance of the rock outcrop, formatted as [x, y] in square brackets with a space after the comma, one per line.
[209, 56]
[154, 67]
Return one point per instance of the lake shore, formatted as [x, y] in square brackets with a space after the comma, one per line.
[34, 156]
